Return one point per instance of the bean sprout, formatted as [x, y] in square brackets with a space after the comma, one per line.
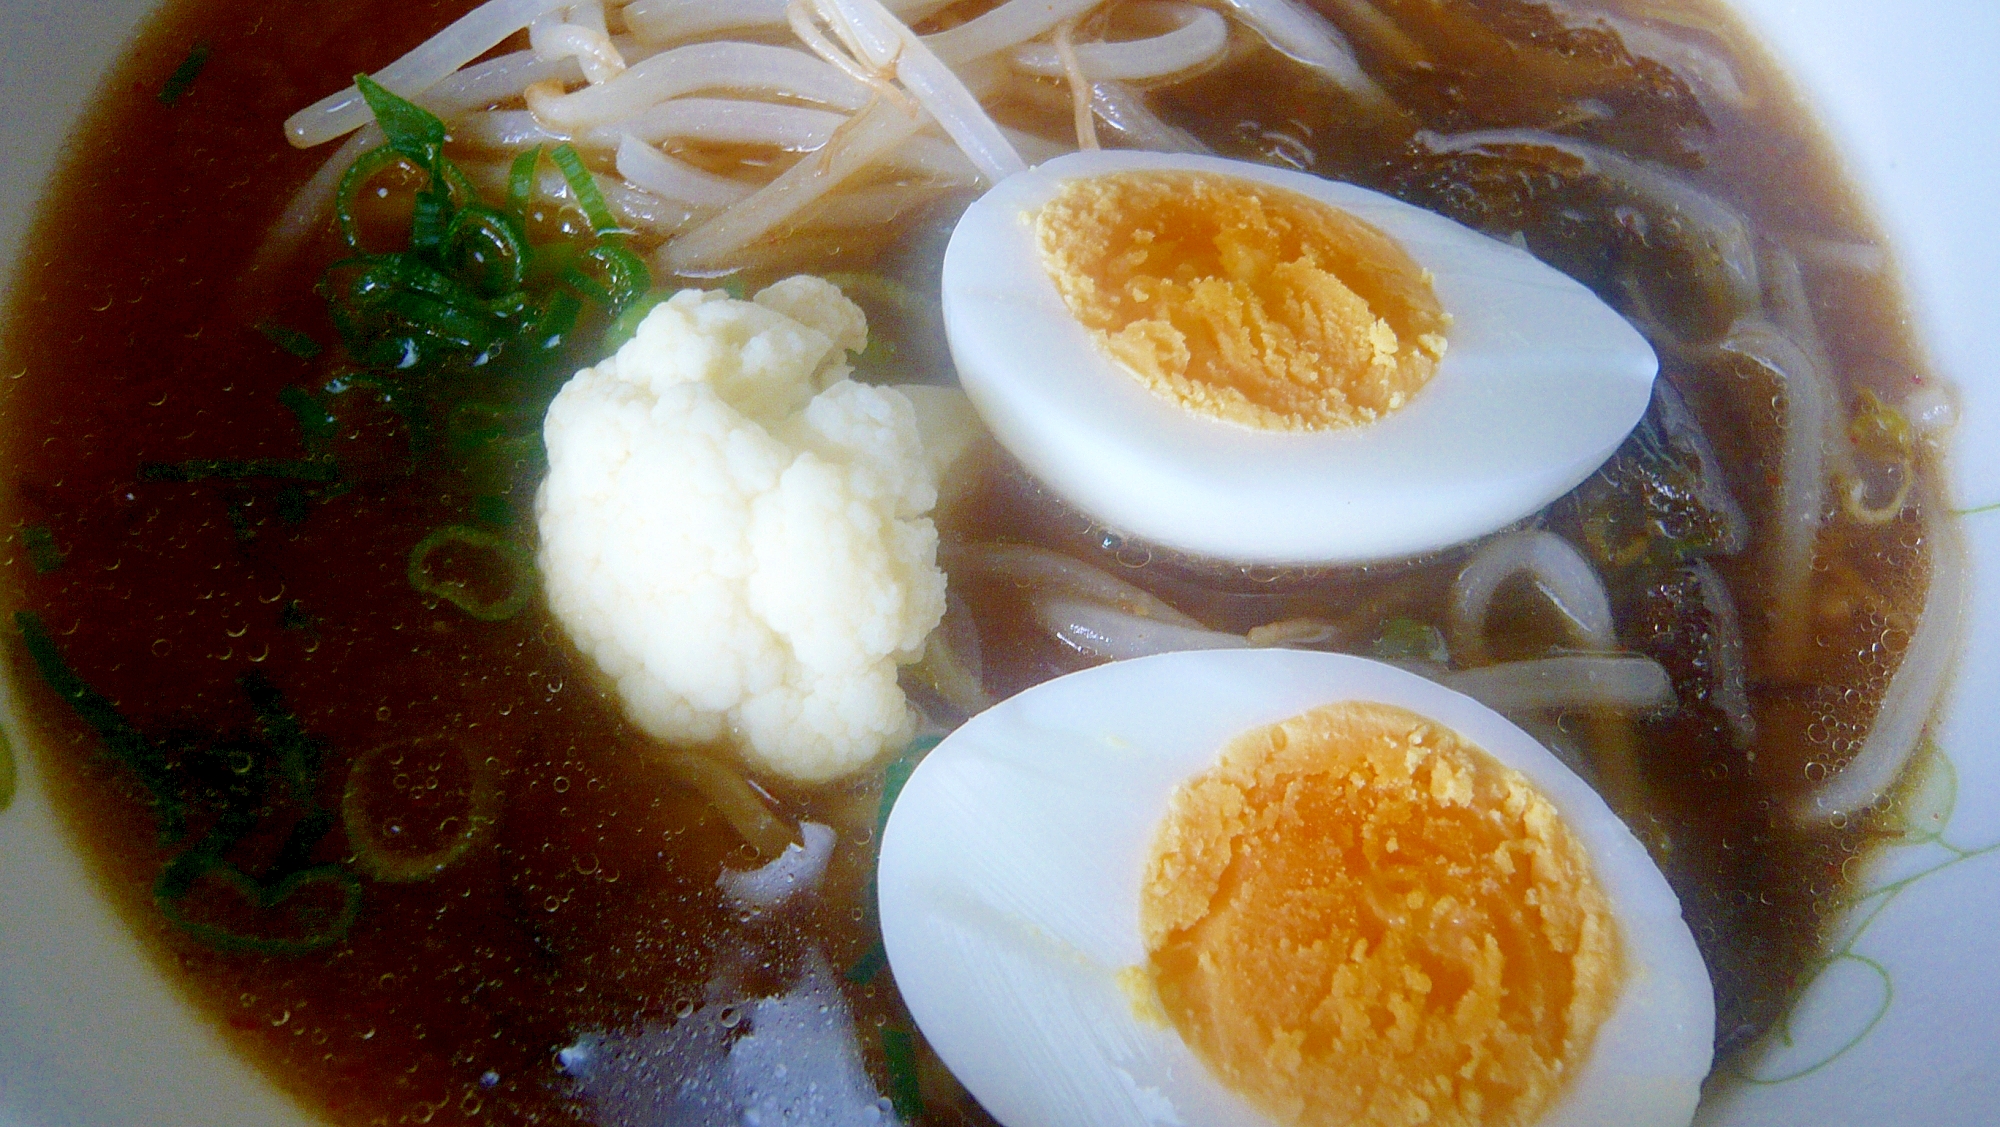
[1124, 109]
[734, 798]
[1561, 572]
[1100, 630]
[1040, 569]
[1008, 25]
[433, 60]
[670, 179]
[554, 38]
[797, 869]
[1295, 30]
[855, 147]
[1914, 689]
[696, 68]
[1801, 491]
[1198, 38]
[1620, 682]
[726, 121]
[884, 41]
[1079, 86]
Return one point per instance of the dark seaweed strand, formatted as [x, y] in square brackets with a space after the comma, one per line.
[231, 469]
[120, 738]
[299, 757]
[43, 554]
[182, 80]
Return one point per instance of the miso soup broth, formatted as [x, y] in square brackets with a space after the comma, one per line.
[283, 645]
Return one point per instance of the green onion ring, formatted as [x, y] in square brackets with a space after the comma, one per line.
[456, 593]
[358, 173]
[378, 859]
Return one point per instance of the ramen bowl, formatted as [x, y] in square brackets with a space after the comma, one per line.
[1896, 1025]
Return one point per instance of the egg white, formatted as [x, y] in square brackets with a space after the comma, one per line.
[1539, 384]
[1011, 870]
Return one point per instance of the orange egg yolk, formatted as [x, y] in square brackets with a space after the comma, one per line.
[1243, 301]
[1359, 918]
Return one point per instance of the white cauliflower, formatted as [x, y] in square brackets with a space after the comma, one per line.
[736, 533]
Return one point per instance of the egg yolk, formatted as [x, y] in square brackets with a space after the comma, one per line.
[1357, 917]
[1243, 301]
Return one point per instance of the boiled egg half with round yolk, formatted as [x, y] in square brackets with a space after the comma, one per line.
[1284, 887]
[1260, 365]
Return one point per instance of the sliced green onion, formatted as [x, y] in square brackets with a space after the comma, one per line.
[178, 882]
[899, 1053]
[299, 754]
[412, 130]
[430, 218]
[383, 861]
[182, 80]
[42, 551]
[120, 738]
[585, 188]
[521, 181]
[493, 509]
[868, 965]
[520, 569]
[491, 244]
[291, 340]
[557, 319]
[624, 276]
[364, 168]
[625, 326]
[459, 185]
[294, 616]
[472, 425]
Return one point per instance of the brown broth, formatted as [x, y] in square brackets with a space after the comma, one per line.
[591, 904]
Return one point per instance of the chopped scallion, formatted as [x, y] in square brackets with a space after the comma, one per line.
[868, 965]
[291, 340]
[412, 130]
[626, 325]
[364, 168]
[521, 181]
[316, 927]
[584, 186]
[899, 1054]
[520, 569]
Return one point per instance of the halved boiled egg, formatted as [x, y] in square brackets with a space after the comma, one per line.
[1274, 886]
[1258, 364]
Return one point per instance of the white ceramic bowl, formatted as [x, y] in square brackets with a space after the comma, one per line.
[1902, 1027]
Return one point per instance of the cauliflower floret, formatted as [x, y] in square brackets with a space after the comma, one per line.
[735, 531]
